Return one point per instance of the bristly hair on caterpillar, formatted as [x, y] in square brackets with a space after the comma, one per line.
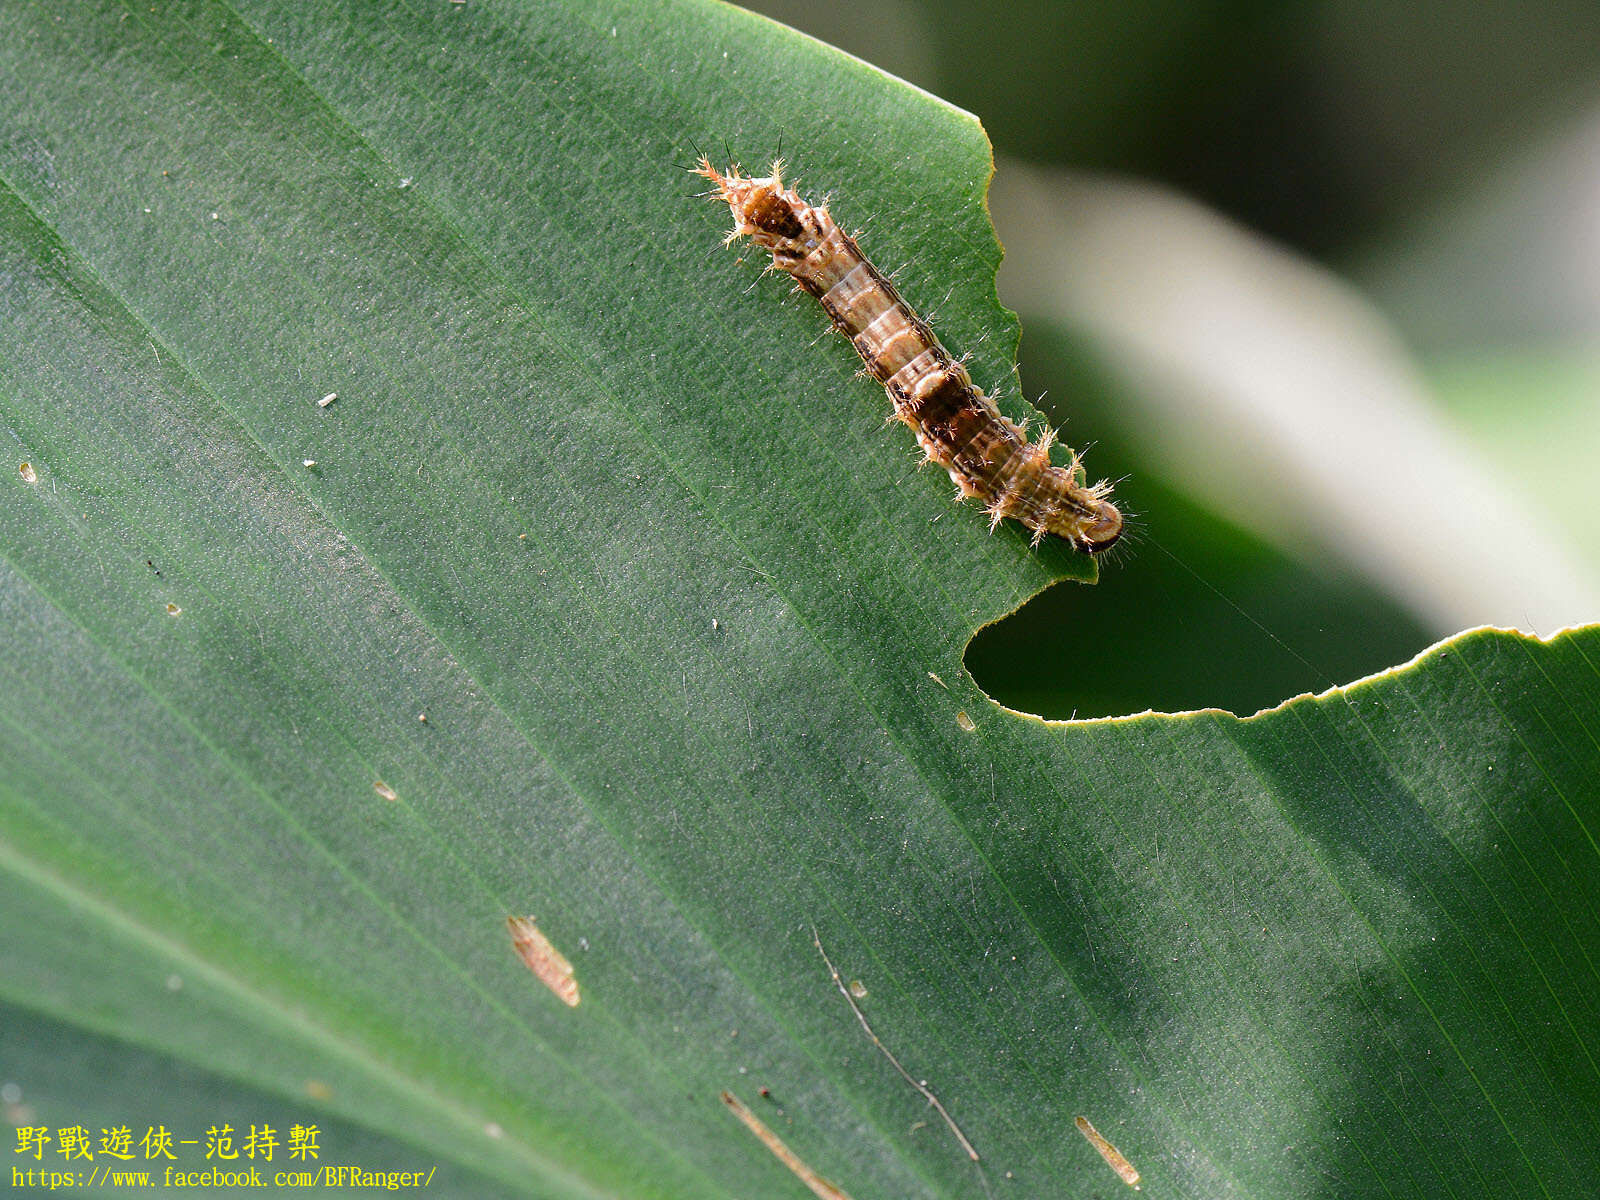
[958, 426]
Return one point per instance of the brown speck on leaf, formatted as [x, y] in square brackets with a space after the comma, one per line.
[1125, 1170]
[543, 959]
[818, 1185]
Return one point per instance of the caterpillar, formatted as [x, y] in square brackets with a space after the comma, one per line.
[988, 456]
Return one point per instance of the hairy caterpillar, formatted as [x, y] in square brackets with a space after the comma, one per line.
[957, 425]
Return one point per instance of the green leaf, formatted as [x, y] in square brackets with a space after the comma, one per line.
[686, 628]
[78, 1078]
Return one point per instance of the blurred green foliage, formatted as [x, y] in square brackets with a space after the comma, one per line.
[1317, 123]
[1208, 616]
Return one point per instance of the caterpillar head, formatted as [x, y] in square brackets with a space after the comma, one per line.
[762, 209]
[1101, 531]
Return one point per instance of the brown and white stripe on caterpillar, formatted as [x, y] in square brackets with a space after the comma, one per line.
[957, 425]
